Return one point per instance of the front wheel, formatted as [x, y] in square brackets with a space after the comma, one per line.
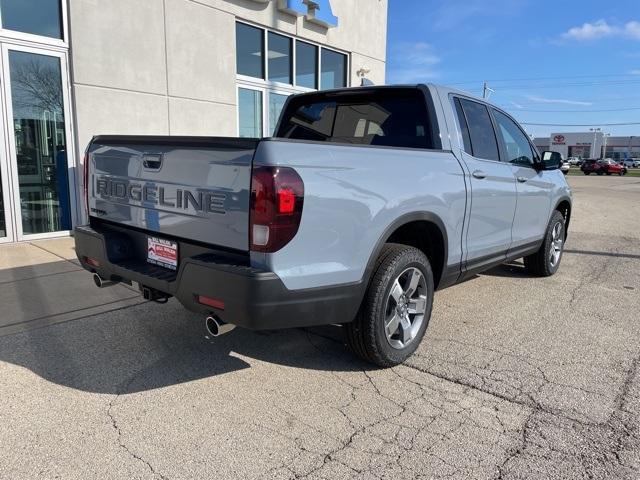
[546, 260]
[396, 308]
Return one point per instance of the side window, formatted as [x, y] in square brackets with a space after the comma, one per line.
[483, 138]
[464, 130]
[515, 142]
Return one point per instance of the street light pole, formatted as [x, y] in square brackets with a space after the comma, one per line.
[604, 148]
[593, 147]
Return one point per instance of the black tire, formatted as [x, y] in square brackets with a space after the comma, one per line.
[366, 334]
[587, 173]
[600, 173]
[540, 263]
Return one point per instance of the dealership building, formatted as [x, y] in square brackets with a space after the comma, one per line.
[594, 144]
[72, 69]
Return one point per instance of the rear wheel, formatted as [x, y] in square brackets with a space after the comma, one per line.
[396, 308]
[546, 260]
[587, 173]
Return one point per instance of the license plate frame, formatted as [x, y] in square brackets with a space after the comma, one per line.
[162, 252]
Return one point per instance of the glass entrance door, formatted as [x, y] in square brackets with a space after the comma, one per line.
[37, 134]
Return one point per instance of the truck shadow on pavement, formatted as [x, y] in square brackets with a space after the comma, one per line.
[150, 346]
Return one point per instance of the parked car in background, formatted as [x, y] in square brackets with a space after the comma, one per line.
[565, 167]
[630, 163]
[574, 161]
[610, 167]
[590, 166]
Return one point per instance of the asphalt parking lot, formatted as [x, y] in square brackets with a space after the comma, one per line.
[518, 377]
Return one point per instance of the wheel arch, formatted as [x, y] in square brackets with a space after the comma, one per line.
[563, 205]
[407, 230]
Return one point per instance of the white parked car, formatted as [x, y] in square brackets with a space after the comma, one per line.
[630, 163]
[573, 160]
[566, 166]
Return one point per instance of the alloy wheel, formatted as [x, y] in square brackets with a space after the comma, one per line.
[405, 308]
[556, 244]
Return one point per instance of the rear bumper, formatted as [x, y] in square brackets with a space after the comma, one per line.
[253, 298]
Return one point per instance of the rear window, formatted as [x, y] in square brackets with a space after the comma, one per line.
[385, 118]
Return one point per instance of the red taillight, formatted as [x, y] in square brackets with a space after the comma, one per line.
[277, 197]
[85, 186]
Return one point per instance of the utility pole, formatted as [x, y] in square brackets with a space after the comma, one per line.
[486, 91]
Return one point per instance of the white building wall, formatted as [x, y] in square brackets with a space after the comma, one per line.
[168, 66]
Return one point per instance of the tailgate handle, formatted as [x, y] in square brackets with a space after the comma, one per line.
[152, 161]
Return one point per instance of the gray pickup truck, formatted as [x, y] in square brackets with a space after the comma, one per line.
[365, 202]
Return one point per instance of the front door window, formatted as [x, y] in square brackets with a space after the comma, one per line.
[38, 126]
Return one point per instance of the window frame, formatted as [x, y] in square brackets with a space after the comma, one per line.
[40, 40]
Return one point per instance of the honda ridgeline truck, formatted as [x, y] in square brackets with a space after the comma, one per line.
[364, 202]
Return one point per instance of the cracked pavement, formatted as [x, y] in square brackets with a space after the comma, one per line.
[517, 377]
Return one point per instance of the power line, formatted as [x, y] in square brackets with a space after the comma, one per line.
[502, 88]
[546, 78]
[578, 124]
[517, 109]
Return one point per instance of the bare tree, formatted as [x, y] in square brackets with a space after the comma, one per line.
[37, 86]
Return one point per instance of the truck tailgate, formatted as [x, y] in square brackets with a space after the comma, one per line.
[193, 188]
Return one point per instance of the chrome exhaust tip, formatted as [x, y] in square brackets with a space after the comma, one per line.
[101, 282]
[217, 327]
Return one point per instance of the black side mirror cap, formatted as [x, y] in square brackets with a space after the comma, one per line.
[550, 160]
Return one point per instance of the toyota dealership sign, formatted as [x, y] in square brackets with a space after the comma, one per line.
[558, 139]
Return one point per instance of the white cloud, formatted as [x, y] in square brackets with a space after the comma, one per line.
[562, 101]
[412, 63]
[517, 105]
[634, 72]
[601, 29]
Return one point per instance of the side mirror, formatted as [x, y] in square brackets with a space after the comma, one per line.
[551, 161]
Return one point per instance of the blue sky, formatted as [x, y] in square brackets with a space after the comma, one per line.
[569, 62]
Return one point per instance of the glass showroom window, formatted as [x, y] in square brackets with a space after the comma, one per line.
[276, 102]
[270, 67]
[249, 50]
[250, 113]
[306, 65]
[37, 17]
[334, 70]
[279, 57]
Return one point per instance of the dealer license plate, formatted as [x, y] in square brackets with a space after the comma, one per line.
[163, 253]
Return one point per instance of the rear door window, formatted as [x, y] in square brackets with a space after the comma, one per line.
[384, 118]
[482, 136]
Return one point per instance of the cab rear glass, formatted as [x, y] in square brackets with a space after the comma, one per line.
[392, 118]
